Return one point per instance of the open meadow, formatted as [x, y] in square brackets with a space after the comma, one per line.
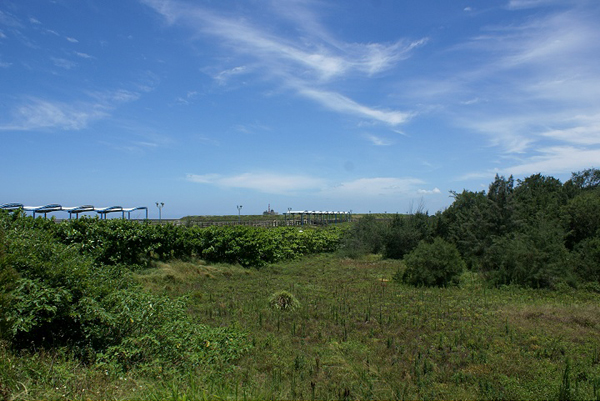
[356, 334]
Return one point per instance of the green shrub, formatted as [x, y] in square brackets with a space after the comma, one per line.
[54, 296]
[114, 241]
[436, 264]
[259, 246]
[146, 331]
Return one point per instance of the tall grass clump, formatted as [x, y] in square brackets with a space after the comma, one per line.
[283, 301]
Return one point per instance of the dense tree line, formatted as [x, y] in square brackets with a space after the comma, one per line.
[535, 232]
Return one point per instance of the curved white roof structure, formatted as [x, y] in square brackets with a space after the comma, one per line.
[11, 206]
[54, 207]
[78, 209]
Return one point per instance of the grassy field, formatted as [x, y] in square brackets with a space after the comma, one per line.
[357, 334]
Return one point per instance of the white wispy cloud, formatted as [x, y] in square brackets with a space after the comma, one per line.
[532, 87]
[340, 103]
[377, 141]
[374, 187]
[63, 63]
[310, 63]
[262, 182]
[223, 76]
[557, 159]
[72, 40]
[190, 95]
[523, 4]
[83, 55]
[9, 20]
[429, 191]
[35, 113]
[376, 57]
[580, 130]
[38, 114]
[140, 142]
[292, 184]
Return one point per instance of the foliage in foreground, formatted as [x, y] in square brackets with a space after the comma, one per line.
[52, 297]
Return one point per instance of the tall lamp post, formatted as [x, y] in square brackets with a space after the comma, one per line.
[289, 210]
[160, 205]
[239, 208]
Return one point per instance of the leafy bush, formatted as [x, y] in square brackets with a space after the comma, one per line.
[135, 244]
[146, 330]
[258, 246]
[52, 295]
[111, 242]
[436, 264]
[468, 224]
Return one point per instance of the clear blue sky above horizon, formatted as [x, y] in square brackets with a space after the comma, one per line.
[369, 105]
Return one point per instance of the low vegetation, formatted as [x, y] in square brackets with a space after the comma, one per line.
[497, 297]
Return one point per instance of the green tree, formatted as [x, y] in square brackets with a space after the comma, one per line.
[468, 224]
[581, 217]
[584, 180]
[501, 209]
[534, 258]
[587, 260]
[405, 233]
[538, 197]
[366, 236]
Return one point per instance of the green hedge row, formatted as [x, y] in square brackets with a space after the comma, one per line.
[135, 244]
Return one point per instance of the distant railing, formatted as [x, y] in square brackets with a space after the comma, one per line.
[256, 223]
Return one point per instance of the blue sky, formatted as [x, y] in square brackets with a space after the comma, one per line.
[368, 105]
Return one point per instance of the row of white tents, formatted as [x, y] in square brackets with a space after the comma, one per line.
[320, 215]
[74, 210]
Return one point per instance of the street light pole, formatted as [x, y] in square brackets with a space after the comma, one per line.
[160, 205]
[239, 208]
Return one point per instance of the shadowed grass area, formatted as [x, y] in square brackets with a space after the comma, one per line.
[356, 334]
